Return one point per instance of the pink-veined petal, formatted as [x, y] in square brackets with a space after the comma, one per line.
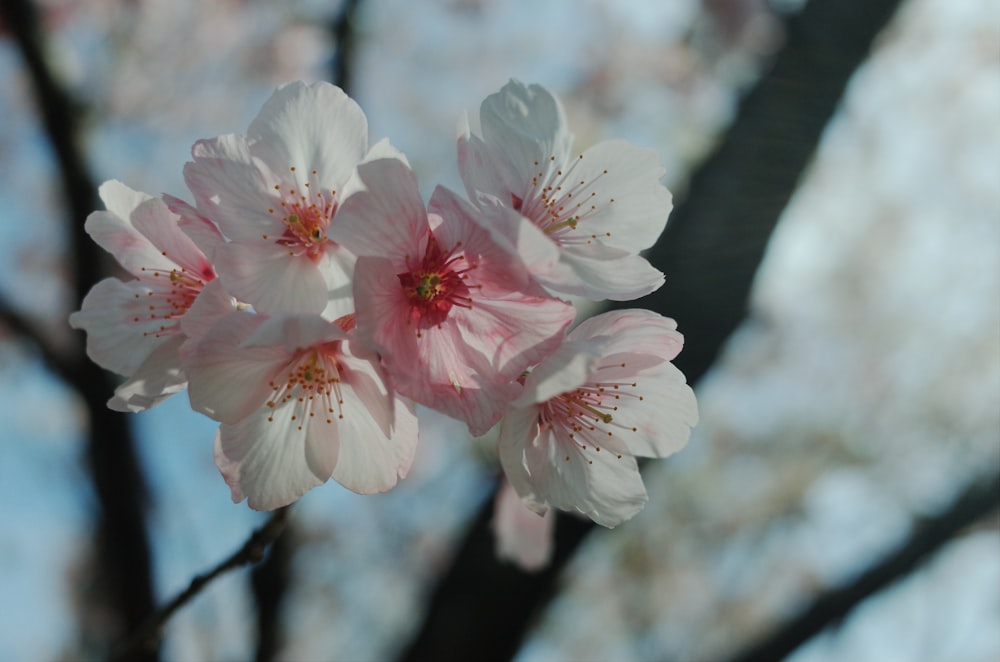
[161, 226]
[211, 305]
[131, 248]
[387, 217]
[228, 382]
[202, 231]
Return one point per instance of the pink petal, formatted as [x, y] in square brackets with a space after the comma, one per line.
[266, 276]
[228, 382]
[388, 217]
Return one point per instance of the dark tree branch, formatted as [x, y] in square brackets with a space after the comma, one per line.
[482, 609]
[146, 638]
[343, 30]
[270, 586]
[978, 500]
[122, 544]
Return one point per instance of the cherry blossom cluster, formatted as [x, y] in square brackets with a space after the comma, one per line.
[307, 299]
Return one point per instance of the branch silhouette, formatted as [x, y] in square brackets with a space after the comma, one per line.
[980, 498]
[482, 609]
[147, 637]
[122, 541]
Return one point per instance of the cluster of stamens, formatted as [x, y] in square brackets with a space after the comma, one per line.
[170, 295]
[557, 202]
[306, 214]
[313, 386]
[585, 416]
[436, 283]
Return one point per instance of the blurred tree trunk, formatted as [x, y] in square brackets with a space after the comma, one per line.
[710, 251]
[122, 545]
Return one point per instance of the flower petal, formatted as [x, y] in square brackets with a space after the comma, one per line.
[229, 382]
[632, 205]
[120, 333]
[233, 189]
[634, 331]
[271, 279]
[387, 217]
[312, 127]
[159, 377]
[266, 461]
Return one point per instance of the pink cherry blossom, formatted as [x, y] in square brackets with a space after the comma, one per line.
[578, 220]
[607, 396]
[136, 328]
[455, 317]
[299, 404]
[275, 193]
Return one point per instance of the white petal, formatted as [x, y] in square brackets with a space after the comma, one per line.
[525, 124]
[641, 203]
[518, 432]
[310, 126]
[604, 486]
[663, 418]
[120, 333]
[265, 460]
[266, 276]
[159, 377]
[120, 199]
[370, 461]
[545, 469]
[621, 279]
[632, 331]
[233, 189]
[566, 369]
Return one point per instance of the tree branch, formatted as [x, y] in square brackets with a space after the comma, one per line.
[122, 544]
[980, 498]
[147, 637]
[482, 609]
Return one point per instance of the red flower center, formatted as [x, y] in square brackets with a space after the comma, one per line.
[437, 283]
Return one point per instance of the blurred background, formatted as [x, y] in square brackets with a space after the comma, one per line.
[856, 401]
